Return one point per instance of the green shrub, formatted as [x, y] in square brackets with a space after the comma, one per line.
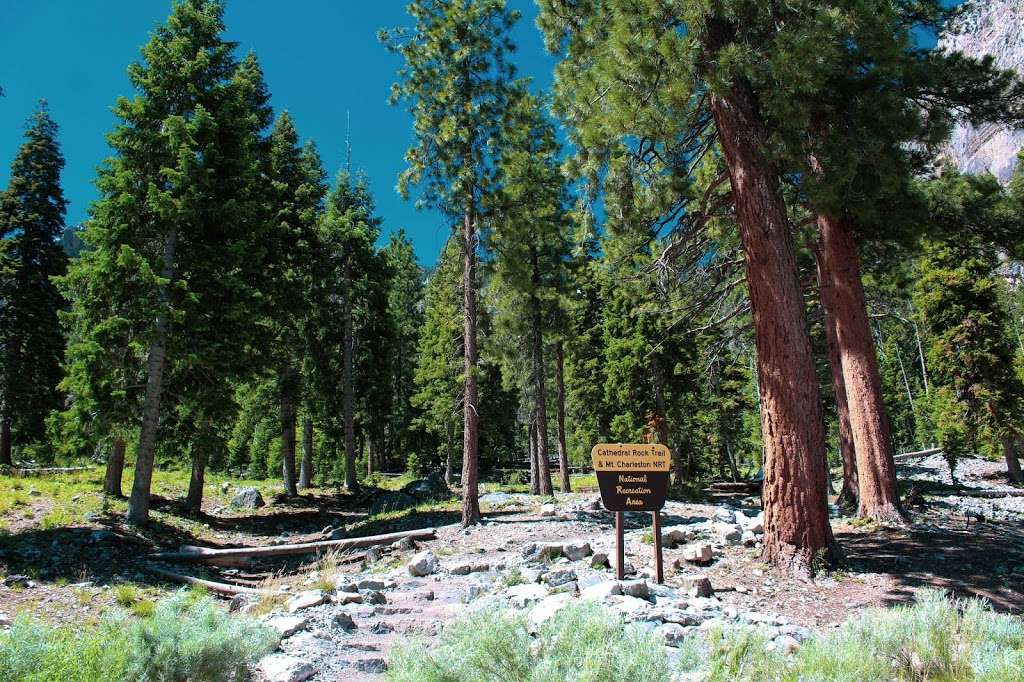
[187, 637]
[416, 465]
[581, 642]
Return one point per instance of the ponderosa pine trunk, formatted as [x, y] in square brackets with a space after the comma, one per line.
[348, 390]
[1012, 463]
[115, 469]
[5, 436]
[878, 497]
[540, 388]
[797, 532]
[563, 455]
[138, 504]
[194, 499]
[470, 416]
[534, 474]
[286, 384]
[847, 498]
[306, 467]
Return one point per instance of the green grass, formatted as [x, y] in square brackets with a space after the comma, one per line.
[184, 637]
[935, 639]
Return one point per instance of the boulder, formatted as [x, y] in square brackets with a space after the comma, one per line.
[631, 608]
[247, 498]
[495, 498]
[548, 510]
[5, 620]
[286, 626]
[725, 515]
[748, 538]
[787, 644]
[19, 581]
[636, 588]
[602, 590]
[343, 621]
[342, 598]
[305, 600]
[696, 585]
[729, 532]
[672, 633]
[545, 609]
[371, 584]
[697, 553]
[675, 536]
[599, 560]
[575, 551]
[376, 598]
[422, 564]
[429, 488]
[285, 668]
[521, 596]
[404, 544]
[559, 577]
[390, 502]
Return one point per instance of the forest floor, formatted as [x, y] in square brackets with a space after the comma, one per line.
[77, 560]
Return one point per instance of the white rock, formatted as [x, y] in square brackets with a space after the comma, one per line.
[675, 536]
[285, 668]
[286, 625]
[631, 608]
[547, 510]
[725, 515]
[729, 532]
[521, 596]
[673, 633]
[636, 588]
[787, 644]
[575, 551]
[5, 620]
[423, 564]
[305, 600]
[602, 590]
[697, 553]
[559, 577]
[748, 539]
[342, 598]
[547, 608]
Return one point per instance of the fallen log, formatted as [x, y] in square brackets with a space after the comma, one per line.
[218, 588]
[233, 556]
[917, 454]
[39, 471]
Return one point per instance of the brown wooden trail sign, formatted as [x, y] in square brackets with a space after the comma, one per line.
[633, 477]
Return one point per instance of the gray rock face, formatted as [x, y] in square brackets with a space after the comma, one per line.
[990, 27]
[559, 577]
[247, 498]
[422, 564]
[392, 502]
[427, 488]
[285, 668]
[696, 585]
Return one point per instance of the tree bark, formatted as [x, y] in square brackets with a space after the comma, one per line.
[540, 385]
[115, 469]
[138, 504]
[286, 385]
[470, 417]
[878, 497]
[5, 436]
[848, 494]
[348, 390]
[797, 531]
[449, 460]
[563, 455]
[534, 474]
[306, 468]
[371, 453]
[194, 499]
[1012, 463]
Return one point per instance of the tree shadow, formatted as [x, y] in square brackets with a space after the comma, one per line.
[981, 560]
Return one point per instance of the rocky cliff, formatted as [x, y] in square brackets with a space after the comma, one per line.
[993, 27]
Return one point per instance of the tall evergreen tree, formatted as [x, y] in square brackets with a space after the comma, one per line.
[456, 81]
[175, 235]
[31, 343]
[405, 312]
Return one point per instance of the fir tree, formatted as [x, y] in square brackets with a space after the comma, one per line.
[31, 344]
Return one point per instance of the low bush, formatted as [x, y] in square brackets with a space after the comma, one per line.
[187, 637]
[934, 639]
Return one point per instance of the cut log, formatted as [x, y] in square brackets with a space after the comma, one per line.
[233, 555]
[212, 586]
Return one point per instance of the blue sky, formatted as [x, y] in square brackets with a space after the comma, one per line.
[321, 59]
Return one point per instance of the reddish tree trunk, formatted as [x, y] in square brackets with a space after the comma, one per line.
[1012, 463]
[115, 469]
[848, 494]
[470, 417]
[563, 455]
[878, 497]
[540, 386]
[797, 531]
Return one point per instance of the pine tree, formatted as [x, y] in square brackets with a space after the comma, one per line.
[527, 235]
[294, 201]
[31, 343]
[456, 82]
[174, 239]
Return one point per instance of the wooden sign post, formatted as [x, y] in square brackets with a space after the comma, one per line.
[633, 477]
